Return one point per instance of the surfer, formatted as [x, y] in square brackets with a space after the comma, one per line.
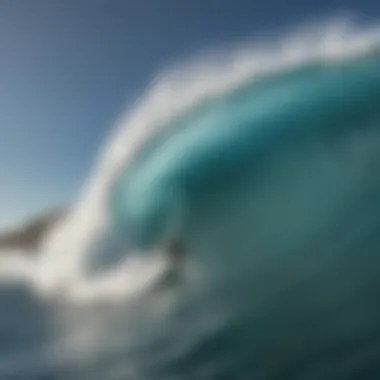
[175, 251]
[173, 274]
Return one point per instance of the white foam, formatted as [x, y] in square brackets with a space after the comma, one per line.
[16, 266]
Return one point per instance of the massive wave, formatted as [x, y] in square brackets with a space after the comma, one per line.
[265, 163]
[246, 159]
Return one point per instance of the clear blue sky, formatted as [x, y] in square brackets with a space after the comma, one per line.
[68, 67]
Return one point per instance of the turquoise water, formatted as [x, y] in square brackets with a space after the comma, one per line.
[217, 150]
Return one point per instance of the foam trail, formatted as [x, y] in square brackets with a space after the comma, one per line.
[172, 97]
[16, 266]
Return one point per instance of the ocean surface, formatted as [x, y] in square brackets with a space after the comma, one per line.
[265, 165]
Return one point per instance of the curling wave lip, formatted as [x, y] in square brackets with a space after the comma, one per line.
[217, 148]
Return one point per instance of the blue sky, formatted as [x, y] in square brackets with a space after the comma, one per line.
[69, 67]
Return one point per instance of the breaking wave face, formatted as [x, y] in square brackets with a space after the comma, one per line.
[271, 153]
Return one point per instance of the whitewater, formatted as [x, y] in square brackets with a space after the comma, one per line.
[265, 161]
